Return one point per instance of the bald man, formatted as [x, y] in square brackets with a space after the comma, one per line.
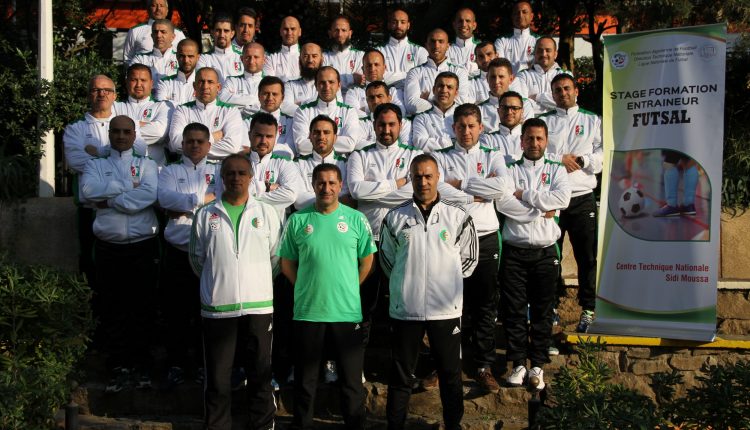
[421, 79]
[242, 91]
[139, 38]
[285, 63]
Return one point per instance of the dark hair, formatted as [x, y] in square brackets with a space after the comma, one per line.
[370, 51]
[238, 156]
[422, 158]
[387, 107]
[562, 77]
[483, 44]
[138, 66]
[222, 17]
[501, 62]
[163, 21]
[534, 122]
[508, 94]
[447, 74]
[324, 68]
[246, 11]
[468, 109]
[377, 84]
[324, 118]
[196, 126]
[326, 167]
[186, 41]
[545, 37]
[271, 80]
[264, 119]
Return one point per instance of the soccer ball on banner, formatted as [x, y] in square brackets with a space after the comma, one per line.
[632, 203]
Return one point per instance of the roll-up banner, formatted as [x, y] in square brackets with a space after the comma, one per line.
[663, 131]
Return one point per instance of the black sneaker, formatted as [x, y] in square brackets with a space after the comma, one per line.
[587, 317]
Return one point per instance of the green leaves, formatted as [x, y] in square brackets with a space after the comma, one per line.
[45, 320]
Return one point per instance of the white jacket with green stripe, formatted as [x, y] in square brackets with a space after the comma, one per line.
[236, 271]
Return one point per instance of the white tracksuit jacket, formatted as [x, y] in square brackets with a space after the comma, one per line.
[545, 188]
[534, 83]
[242, 91]
[284, 138]
[347, 62]
[356, 98]
[236, 272]
[422, 79]
[400, 57]
[161, 64]
[506, 141]
[518, 48]
[479, 89]
[349, 132]
[139, 40]
[216, 115]
[156, 116]
[128, 183]
[477, 162]
[461, 52]
[433, 129]
[427, 259]
[306, 164]
[182, 188]
[579, 132]
[227, 62]
[176, 89]
[283, 64]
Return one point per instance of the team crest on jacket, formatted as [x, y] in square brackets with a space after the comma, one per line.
[257, 222]
[529, 50]
[408, 57]
[270, 176]
[545, 178]
[351, 65]
[209, 178]
[444, 235]
[213, 222]
[216, 121]
[579, 130]
[147, 113]
[237, 66]
[309, 229]
[342, 227]
[282, 130]
[172, 65]
[135, 171]
[400, 162]
[480, 169]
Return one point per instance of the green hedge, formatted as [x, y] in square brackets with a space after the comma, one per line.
[45, 321]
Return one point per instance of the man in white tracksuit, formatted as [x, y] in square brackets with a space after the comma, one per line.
[433, 129]
[285, 63]
[378, 93]
[373, 65]
[224, 57]
[233, 251]
[139, 38]
[163, 58]
[178, 89]
[499, 80]
[426, 297]
[242, 91]
[342, 56]
[401, 55]
[122, 186]
[534, 82]
[530, 198]
[518, 47]
[271, 96]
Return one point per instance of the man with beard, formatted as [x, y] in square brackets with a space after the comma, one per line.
[228, 134]
[139, 38]
[224, 57]
[462, 50]
[499, 80]
[242, 91]
[342, 56]
[400, 54]
[245, 26]
[373, 65]
[507, 137]
[478, 88]
[378, 93]
[285, 64]
[328, 85]
[518, 47]
[162, 59]
[301, 90]
[178, 88]
[421, 79]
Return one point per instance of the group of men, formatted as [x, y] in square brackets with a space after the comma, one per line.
[254, 164]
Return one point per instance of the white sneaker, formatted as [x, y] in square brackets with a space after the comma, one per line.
[331, 375]
[517, 376]
[536, 379]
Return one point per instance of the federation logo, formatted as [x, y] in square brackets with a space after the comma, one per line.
[257, 222]
[147, 113]
[216, 121]
[237, 66]
[619, 60]
[309, 229]
[480, 169]
[135, 171]
[282, 130]
[351, 65]
[400, 163]
[579, 130]
[342, 227]
[471, 57]
[444, 235]
[529, 50]
[707, 52]
[270, 176]
[545, 178]
[173, 65]
[213, 222]
[209, 178]
[408, 57]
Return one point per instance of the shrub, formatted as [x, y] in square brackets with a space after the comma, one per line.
[45, 320]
